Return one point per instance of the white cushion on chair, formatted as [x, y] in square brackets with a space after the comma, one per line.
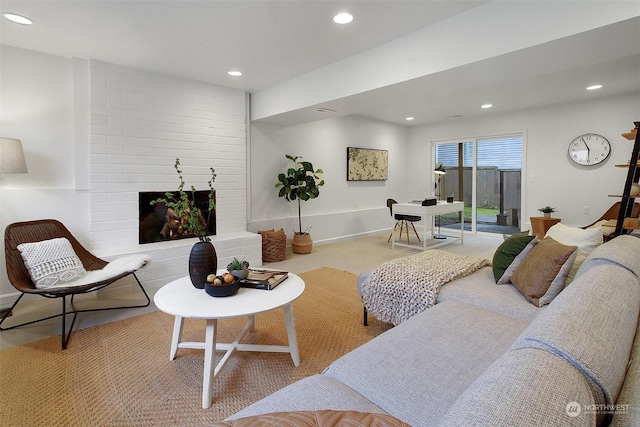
[117, 267]
[51, 262]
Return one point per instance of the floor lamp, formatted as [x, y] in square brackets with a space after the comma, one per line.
[11, 160]
[11, 156]
[439, 172]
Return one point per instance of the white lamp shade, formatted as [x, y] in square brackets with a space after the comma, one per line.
[12, 156]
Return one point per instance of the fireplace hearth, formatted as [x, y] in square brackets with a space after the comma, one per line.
[159, 224]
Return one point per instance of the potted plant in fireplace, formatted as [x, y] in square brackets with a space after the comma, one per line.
[301, 182]
[192, 221]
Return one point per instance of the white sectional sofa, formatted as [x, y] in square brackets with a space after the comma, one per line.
[485, 356]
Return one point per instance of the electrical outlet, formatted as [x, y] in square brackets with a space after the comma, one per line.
[586, 210]
[532, 178]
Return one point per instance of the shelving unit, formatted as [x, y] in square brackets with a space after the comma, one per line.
[624, 222]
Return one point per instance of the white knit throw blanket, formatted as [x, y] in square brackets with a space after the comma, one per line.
[404, 287]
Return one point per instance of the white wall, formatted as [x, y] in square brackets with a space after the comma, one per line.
[94, 134]
[549, 177]
[348, 208]
[37, 108]
[140, 123]
[343, 208]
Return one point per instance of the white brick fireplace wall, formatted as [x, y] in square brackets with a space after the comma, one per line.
[140, 122]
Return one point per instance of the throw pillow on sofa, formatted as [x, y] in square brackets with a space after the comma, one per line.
[600, 225]
[509, 255]
[543, 272]
[586, 241]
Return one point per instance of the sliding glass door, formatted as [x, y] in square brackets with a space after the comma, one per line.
[455, 158]
[486, 175]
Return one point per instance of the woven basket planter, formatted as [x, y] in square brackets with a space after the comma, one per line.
[274, 246]
[302, 243]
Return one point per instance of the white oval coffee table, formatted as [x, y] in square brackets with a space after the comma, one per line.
[182, 300]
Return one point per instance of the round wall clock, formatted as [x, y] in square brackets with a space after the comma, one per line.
[589, 149]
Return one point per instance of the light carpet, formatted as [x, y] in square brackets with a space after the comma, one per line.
[119, 373]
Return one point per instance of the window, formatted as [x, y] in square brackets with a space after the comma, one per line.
[486, 175]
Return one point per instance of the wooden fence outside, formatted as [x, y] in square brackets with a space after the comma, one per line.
[497, 189]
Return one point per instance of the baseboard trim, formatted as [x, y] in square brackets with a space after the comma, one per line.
[349, 237]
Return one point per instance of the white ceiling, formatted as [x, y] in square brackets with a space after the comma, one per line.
[552, 73]
[270, 41]
[274, 41]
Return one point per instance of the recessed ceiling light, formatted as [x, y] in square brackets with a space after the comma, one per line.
[234, 73]
[18, 19]
[485, 106]
[409, 119]
[594, 87]
[343, 18]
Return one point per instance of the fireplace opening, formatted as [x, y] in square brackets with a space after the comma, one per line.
[159, 224]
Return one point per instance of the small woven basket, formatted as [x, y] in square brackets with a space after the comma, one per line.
[274, 246]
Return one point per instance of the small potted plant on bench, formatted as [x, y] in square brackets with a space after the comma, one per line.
[547, 211]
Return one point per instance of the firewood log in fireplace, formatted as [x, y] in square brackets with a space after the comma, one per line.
[172, 225]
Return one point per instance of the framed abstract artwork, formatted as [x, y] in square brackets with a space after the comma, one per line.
[366, 164]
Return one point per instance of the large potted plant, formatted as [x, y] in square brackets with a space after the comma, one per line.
[301, 182]
[192, 221]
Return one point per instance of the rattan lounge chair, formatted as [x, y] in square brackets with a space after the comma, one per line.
[41, 230]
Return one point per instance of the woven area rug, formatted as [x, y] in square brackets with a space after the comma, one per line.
[119, 373]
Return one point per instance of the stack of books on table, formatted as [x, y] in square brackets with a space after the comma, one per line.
[264, 279]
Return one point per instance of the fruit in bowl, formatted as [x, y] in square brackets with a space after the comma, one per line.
[223, 285]
[214, 280]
